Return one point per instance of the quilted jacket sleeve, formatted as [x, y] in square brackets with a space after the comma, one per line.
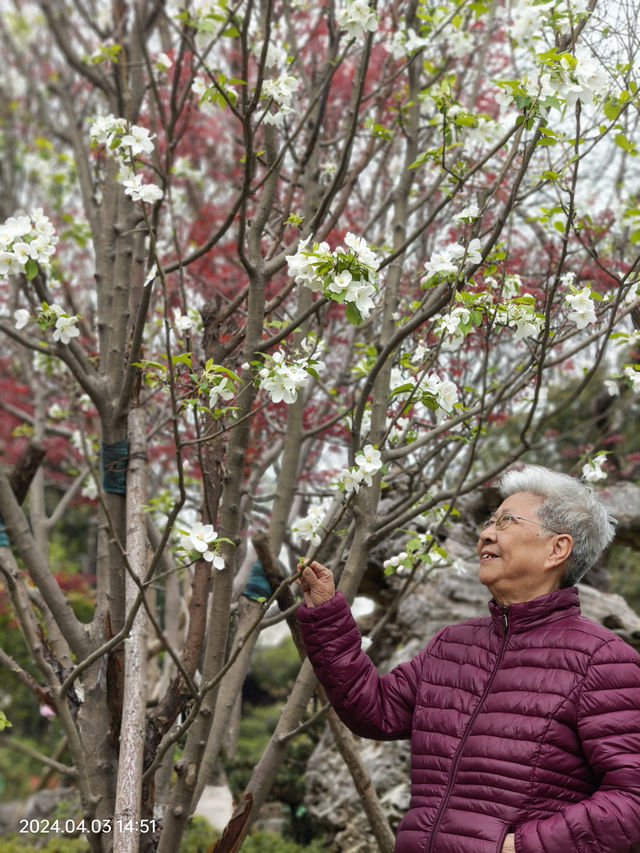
[609, 729]
[371, 705]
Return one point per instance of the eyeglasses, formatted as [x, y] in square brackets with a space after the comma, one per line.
[504, 520]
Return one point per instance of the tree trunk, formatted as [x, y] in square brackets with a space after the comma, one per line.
[129, 785]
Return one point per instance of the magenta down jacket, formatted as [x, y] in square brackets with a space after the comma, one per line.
[525, 721]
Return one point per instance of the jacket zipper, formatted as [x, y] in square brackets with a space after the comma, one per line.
[458, 755]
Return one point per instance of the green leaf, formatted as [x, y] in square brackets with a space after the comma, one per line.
[423, 158]
[353, 315]
[402, 389]
[31, 269]
[523, 102]
[635, 236]
[185, 358]
[612, 109]
[625, 144]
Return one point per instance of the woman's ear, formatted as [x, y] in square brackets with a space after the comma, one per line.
[560, 550]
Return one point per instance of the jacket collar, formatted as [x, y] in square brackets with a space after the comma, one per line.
[539, 611]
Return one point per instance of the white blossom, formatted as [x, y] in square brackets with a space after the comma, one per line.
[9, 264]
[223, 389]
[592, 471]
[356, 18]
[459, 568]
[440, 262]
[163, 61]
[22, 317]
[24, 238]
[459, 42]
[276, 53]
[354, 282]
[527, 20]
[369, 459]
[613, 389]
[419, 353]
[369, 462]
[138, 191]
[351, 479]
[448, 260]
[361, 294]
[137, 140]
[90, 489]
[153, 272]
[341, 282]
[447, 395]
[281, 89]
[526, 321]
[511, 286]
[215, 559]
[467, 214]
[283, 381]
[199, 538]
[309, 526]
[444, 391]
[65, 329]
[363, 252]
[633, 375]
[182, 322]
[582, 308]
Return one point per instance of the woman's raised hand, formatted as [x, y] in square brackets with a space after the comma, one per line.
[316, 582]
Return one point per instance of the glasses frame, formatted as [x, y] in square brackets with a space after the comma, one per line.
[505, 519]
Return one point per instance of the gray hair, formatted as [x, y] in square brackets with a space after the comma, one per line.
[567, 505]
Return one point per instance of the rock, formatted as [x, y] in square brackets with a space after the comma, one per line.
[38, 806]
[216, 805]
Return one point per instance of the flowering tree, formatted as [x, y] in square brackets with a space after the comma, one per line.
[287, 268]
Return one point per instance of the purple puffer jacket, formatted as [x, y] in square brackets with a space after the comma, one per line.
[525, 721]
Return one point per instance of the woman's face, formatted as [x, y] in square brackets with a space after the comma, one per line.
[524, 560]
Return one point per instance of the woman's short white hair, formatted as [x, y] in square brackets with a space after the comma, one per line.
[567, 505]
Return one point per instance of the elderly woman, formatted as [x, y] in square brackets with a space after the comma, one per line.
[525, 724]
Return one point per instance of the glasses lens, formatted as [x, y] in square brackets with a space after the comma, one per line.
[503, 521]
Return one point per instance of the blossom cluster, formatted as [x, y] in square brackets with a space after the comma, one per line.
[439, 393]
[356, 18]
[449, 260]
[346, 275]
[64, 325]
[282, 380]
[509, 308]
[632, 373]
[26, 241]
[201, 542]
[369, 462]
[126, 142]
[582, 307]
[421, 548]
[592, 471]
[407, 43]
[571, 77]
[309, 526]
[218, 382]
[529, 17]
[281, 91]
